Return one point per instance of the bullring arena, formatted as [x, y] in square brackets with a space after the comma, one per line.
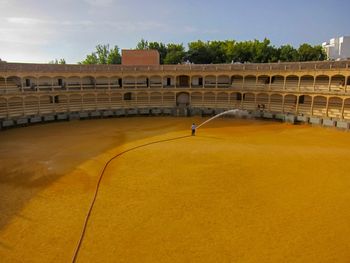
[245, 189]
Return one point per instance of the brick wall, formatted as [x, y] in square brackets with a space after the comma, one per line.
[140, 57]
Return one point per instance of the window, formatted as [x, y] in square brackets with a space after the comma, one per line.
[127, 96]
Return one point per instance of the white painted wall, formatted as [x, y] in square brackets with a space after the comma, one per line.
[338, 48]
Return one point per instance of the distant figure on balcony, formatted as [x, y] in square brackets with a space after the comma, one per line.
[193, 128]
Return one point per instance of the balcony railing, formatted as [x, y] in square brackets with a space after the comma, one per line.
[290, 66]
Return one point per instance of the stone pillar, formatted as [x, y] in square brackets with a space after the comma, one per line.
[314, 84]
[7, 107]
[297, 106]
[6, 85]
[39, 105]
[342, 109]
[345, 84]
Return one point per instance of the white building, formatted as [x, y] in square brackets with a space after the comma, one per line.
[337, 48]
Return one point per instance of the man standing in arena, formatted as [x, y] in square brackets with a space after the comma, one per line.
[193, 128]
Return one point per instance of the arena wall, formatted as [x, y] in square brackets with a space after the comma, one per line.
[316, 91]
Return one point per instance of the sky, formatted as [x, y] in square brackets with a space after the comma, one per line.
[43, 30]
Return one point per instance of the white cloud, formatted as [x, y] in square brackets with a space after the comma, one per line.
[26, 21]
[99, 3]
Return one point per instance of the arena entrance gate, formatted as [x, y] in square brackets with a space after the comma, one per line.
[182, 103]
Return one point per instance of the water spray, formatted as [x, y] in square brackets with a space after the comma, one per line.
[218, 115]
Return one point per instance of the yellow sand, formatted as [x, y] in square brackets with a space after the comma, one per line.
[239, 191]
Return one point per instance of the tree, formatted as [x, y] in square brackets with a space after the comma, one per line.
[162, 49]
[288, 53]
[311, 53]
[56, 61]
[216, 50]
[142, 45]
[198, 53]
[103, 55]
[175, 54]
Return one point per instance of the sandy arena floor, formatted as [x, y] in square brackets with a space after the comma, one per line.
[239, 191]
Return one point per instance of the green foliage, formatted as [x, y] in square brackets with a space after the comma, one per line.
[58, 61]
[214, 52]
[175, 54]
[103, 55]
[142, 45]
[309, 53]
[162, 49]
[288, 53]
[145, 45]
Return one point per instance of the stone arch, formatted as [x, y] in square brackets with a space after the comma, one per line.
[44, 82]
[129, 82]
[335, 107]
[31, 105]
[102, 101]
[290, 102]
[15, 106]
[237, 81]
[236, 100]
[3, 107]
[14, 82]
[73, 83]
[322, 83]
[209, 81]
[29, 82]
[116, 100]
[276, 103]
[59, 82]
[263, 81]
[88, 82]
[262, 99]
[292, 82]
[182, 99]
[197, 81]
[76, 103]
[338, 83]
[209, 99]
[156, 99]
[169, 99]
[62, 103]
[319, 106]
[249, 101]
[182, 81]
[115, 82]
[277, 82]
[346, 114]
[155, 81]
[169, 81]
[142, 98]
[47, 104]
[307, 83]
[142, 81]
[223, 81]
[222, 99]
[249, 82]
[102, 82]
[196, 99]
[304, 104]
[89, 102]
